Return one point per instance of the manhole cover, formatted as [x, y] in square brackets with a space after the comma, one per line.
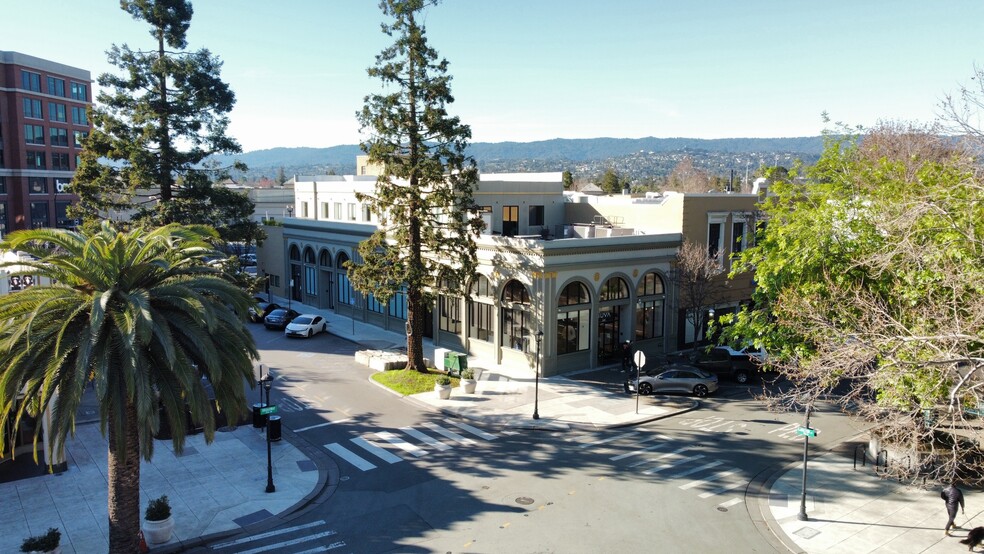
[722, 509]
[524, 500]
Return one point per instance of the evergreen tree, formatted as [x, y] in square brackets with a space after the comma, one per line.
[611, 182]
[568, 179]
[156, 124]
[425, 240]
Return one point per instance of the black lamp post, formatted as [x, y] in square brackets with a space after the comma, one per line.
[290, 211]
[536, 388]
[267, 382]
[806, 448]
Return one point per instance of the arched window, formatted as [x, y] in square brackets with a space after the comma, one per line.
[649, 307]
[345, 295]
[449, 306]
[573, 319]
[516, 318]
[310, 273]
[324, 258]
[295, 253]
[614, 289]
[480, 309]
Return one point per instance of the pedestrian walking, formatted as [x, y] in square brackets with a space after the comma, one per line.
[627, 363]
[953, 498]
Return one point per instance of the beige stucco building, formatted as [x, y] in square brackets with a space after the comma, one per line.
[587, 271]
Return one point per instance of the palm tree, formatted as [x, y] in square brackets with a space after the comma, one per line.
[142, 316]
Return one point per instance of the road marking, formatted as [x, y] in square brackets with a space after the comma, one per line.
[696, 469]
[449, 434]
[427, 439]
[262, 536]
[671, 464]
[609, 439]
[331, 546]
[633, 453]
[401, 444]
[709, 479]
[325, 424]
[350, 457]
[377, 450]
[291, 542]
[473, 430]
[668, 454]
[722, 489]
[730, 503]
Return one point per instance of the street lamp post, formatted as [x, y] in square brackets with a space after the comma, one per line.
[536, 388]
[806, 447]
[267, 382]
[290, 210]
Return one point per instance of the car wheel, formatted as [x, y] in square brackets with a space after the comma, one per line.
[310, 332]
[741, 377]
[700, 391]
[324, 328]
[645, 388]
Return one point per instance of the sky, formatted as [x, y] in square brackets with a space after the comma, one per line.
[529, 70]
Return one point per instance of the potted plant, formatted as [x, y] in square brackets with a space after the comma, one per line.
[48, 542]
[468, 381]
[443, 387]
[158, 523]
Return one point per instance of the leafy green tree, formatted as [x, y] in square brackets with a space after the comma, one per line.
[138, 314]
[611, 182]
[870, 288]
[568, 179]
[155, 125]
[425, 240]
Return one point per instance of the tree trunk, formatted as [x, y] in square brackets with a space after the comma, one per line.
[124, 486]
[415, 322]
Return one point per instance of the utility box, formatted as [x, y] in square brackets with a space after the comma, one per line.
[273, 428]
[455, 361]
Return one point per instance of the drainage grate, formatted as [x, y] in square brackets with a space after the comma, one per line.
[524, 500]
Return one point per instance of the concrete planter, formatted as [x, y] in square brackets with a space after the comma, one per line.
[443, 391]
[158, 532]
[469, 385]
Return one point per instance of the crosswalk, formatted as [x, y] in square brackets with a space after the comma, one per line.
[297, 539]
[657, 455]
[385, 447]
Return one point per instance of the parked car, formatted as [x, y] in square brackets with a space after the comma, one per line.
[676, 378]
[262, 309]
[247, 259]
[722, 361]
[306, 325]
[279, 318]
[758, 355]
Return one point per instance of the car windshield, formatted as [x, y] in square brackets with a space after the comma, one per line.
[278, 313]
[303, 320]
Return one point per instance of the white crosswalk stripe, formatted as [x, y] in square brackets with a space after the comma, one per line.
[644, 450]
[425, 443]
[609, 439]
[667, 455]
[697, 469]
[716, 477]
[426, 439]
[721, 490]
[282, 540]
[376, 450]
[658, 469]
[401, 444]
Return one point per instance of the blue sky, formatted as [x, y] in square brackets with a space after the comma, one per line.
[529, 70]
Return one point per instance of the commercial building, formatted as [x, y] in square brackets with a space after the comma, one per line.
[43, 119]
[588, 271]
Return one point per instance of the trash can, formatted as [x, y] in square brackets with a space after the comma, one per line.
[273, 428]
[259, 420]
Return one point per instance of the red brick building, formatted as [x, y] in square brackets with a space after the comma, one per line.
[43, 118]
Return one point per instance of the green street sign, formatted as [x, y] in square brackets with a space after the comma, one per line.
[804, 431]
[268, 410]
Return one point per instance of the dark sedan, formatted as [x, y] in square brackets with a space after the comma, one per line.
[262, 309]
[279, 318]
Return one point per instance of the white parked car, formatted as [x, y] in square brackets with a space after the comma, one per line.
[306, 325]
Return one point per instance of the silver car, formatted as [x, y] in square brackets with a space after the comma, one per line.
[680, 378]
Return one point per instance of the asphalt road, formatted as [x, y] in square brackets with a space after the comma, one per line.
[411, 480]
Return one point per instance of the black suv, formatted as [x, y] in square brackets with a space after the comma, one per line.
[720, 361]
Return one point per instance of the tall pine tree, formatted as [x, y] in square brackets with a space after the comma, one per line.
[155, 124]
[425, 240]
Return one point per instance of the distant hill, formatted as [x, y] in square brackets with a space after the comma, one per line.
[544, 155]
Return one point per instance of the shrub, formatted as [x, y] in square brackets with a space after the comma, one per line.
[444, 380]
[467, 373]
[42, 543]
[159, 509]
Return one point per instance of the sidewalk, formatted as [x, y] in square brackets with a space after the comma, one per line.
[218, 489]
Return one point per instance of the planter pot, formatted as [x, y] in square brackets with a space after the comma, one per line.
[469, 385]
[158, 532]
[443, 391]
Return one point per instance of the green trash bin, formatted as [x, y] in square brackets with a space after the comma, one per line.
[455, 362]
